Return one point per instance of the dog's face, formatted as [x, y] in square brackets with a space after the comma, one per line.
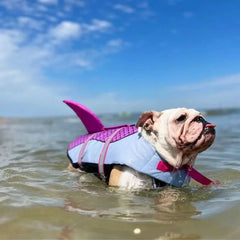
[178, 134]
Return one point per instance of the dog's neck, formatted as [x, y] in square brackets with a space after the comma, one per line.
[172, 155]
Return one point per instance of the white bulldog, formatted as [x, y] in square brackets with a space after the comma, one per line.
[178, 136]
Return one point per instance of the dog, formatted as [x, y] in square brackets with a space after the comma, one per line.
[165, 145]
[178, 135]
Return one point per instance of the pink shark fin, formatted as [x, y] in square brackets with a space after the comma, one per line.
[89, 119]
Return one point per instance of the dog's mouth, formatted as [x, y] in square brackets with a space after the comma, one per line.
[207, 135]
[209, 129]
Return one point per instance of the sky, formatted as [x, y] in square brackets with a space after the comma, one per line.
[118, 55]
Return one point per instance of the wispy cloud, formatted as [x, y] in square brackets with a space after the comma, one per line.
[212, 93]
[30, 47]
[27, 22]
[16, 4]
[21, 77]
[115, 43]
[124, 8]
[97, 26]
[227, 81]
[71, 30]
[216, 93]
[48, 1]
[46, 46]
[79, 3]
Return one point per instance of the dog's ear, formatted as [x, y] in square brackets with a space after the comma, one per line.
[147, 120]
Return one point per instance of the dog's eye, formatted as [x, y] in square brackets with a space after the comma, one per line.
[181, 118]
[199, 119]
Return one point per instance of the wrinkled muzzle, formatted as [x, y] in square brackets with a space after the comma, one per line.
[200, 134]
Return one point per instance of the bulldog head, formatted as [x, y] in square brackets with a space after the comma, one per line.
[177, 134]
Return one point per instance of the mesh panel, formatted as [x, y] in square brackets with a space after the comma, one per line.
[103, 136]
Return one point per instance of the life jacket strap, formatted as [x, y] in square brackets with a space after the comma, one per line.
[82, 150]
[103, 154]
[198, 177]
[192, 172]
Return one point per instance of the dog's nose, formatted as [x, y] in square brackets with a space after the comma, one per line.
[204, 122]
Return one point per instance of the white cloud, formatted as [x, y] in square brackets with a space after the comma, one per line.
[83, 62]
[21, 77]
[141, 10]
[72, 30]
[66, 30]
[29, 22]
[97, 26]
[79, 3]
[115, 43]
[71, 4]
[25, 90]
[54, 2]
[17, 4]
[9, 43]
[124, 8]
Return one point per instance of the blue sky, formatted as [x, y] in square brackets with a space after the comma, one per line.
[118, 55]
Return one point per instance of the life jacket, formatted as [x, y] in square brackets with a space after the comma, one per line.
[121, 146]
[101, 149]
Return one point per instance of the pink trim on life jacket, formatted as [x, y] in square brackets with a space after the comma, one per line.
[193, 173]
[117, 126]
[198, 177]
[82, 150]
[104, 154]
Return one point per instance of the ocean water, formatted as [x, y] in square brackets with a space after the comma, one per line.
[41, 199]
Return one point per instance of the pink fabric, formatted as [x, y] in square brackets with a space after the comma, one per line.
[103, 154]
[81, 152]
[197, 176]
[165, 167]
[104, 135]
[193, 173]
[88, 118]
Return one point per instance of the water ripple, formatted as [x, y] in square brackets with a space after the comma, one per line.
[37, 189]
